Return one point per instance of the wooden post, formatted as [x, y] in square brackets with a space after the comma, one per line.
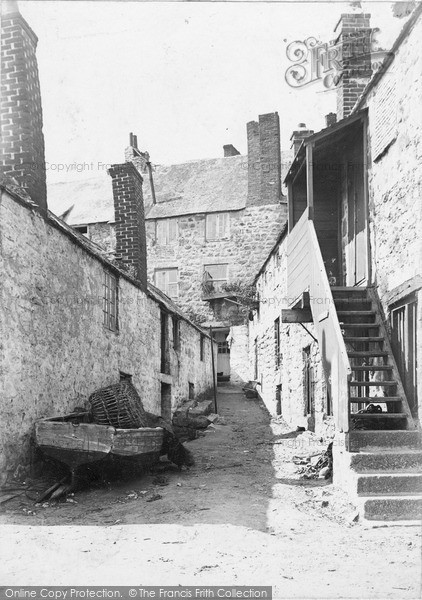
[309, 180]
[213, 371]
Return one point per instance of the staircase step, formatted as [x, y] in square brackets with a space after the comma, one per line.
[375, 399]
[371, 383]
[354, 354]
[390, 484]
[392, 461]
[371, 441]
[371, 367]
[392, 508]
[379, 415]
[359, 325]
[363, 339]
[356, 313]
[345, 288]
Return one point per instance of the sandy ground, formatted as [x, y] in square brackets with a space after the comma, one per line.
[241, 516]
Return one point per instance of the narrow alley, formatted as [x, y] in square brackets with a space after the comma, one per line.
[241, 515]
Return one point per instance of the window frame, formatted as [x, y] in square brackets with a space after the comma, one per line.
[218, 281]
[110, 300]
[218, 235]
[176, 332]
[168, 283]
[277, 343]
[202, 347]
[168, 240]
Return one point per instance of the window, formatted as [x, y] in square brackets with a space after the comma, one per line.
[166, 232]
[277, 354]
[167, 280]
[214, 277]
[217, 226]
[202, 347]
[223, 347]
[110, 301]
[176, 333]
[403, 319]
[82, 229]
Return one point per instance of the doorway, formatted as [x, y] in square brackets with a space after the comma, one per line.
[166, 402]
[309, 388]
[223, 355]
[356, 244]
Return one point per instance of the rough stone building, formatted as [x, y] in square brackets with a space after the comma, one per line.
[209, 223]
[72, 320]
[348, 269]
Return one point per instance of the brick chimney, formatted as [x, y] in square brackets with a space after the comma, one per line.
[354, 40]
[141, 161]
[129, 214]
[22, 141]
[264, 161]
[298, 136]
[230, 150]
[330, 119]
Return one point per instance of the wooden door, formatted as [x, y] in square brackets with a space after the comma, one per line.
[356, 248]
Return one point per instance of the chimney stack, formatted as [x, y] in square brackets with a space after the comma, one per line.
[264, 160]
[354, 40]
[330, 119]
[297, 137]
[22, 141]
[129, 213]
[230, 150]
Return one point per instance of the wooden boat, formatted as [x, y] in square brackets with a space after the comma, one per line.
[74, 440]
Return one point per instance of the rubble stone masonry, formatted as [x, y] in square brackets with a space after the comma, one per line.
[395, 180]
[55, 350]
[289, 373]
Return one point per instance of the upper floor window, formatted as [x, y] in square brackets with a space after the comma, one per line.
[215, 276]
[176, 333]
[217, 226]
[110, 301]
[166, 232]
[167, 280]
[277, 345]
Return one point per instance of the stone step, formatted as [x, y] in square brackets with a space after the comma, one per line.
[372, 441]
[391, 484]
[378, 415]
[398, 462]
[392, 508]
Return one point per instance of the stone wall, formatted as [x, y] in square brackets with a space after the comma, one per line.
[55, 350]
[272, 290]
[253, 232]
[395, 181]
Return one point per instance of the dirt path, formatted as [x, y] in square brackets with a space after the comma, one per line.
[240, 516]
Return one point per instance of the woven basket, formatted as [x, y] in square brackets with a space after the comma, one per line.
[118, 405]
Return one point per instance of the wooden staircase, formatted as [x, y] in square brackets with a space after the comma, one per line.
[384, 439]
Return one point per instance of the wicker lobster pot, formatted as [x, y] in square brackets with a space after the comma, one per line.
[118, 405]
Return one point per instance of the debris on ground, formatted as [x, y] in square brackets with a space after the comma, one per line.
[316, 465]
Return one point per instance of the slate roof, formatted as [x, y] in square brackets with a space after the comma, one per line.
[197, 186]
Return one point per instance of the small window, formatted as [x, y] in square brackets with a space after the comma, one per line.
[110, 301]
[81, 229]
[217, 226]
[202, 347]
[176, 333]
[167, 280]
[125, 376]
[223, 347]
[166, 232]
[215, 276]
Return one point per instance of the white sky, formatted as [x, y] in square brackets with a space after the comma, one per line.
[185, 77]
